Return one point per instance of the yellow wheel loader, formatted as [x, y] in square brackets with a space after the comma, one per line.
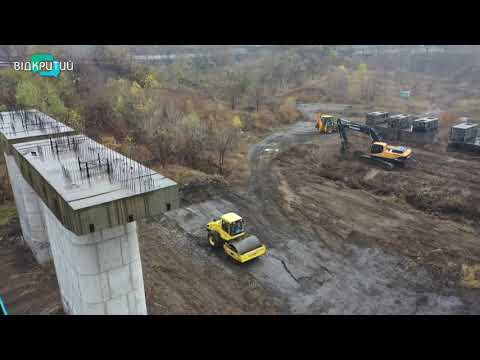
[326, 124]
[229, 232]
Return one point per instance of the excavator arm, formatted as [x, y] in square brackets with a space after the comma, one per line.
[344, 125]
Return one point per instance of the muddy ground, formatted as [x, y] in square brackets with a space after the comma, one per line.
[343, 237]
[26, 287]
[428, 214]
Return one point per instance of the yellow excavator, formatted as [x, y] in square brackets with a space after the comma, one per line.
[326, 124]
[380, 153]
[229, 232]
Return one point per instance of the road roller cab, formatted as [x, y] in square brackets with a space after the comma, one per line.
[229, 232]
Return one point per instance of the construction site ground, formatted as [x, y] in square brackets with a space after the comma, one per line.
[343, 237]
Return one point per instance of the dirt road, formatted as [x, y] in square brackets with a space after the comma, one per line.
[325, 256]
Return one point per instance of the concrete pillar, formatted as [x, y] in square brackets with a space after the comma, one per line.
[29, 213]
[99, 273]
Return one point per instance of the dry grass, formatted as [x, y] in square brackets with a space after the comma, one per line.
[7, 212]
[471, 276]
[184, 175]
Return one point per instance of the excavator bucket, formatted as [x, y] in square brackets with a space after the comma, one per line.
[245, 249]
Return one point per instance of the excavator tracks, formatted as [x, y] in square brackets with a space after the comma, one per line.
[377, 162]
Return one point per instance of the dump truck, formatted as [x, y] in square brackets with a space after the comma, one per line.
[229, 232]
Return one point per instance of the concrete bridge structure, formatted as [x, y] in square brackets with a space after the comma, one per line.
[78, 203]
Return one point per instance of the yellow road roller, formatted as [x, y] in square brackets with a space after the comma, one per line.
[229, 232]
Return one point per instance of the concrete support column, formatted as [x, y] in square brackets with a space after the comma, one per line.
[99, 273]
[29, 213]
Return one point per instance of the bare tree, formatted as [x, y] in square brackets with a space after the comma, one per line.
[259, 96]
[226, 139]
[338, 83]
[163, 143]
[231, 87]
[165, 137]
[193, 133]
